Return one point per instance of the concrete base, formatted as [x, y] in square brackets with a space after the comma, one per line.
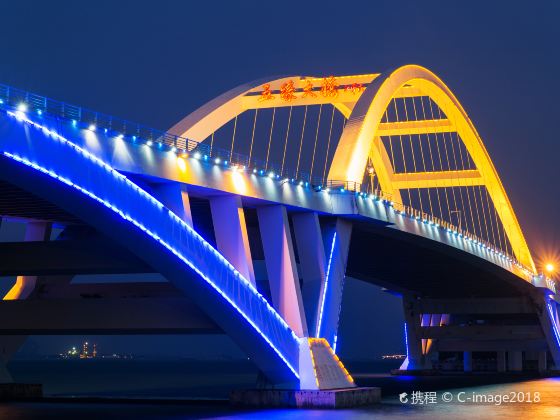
[334, 398]
[13, 391]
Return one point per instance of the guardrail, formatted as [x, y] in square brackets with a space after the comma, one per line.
[17, 99]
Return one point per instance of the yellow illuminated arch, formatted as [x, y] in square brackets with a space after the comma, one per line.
[216, 113]
[361, 137]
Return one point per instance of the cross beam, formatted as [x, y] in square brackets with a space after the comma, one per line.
[438, 179]
[402, 128]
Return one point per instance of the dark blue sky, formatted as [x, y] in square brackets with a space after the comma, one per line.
[157, 61]
[154, 62]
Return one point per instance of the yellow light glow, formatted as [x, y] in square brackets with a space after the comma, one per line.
[549, 268]
[239, 182]
[181, 164]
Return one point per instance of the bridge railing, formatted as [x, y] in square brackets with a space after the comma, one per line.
[420, 216]
[63, 160]
[13, 98]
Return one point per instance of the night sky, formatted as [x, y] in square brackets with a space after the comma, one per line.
[155, 62]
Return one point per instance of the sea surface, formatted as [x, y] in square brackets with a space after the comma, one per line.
[183, 389]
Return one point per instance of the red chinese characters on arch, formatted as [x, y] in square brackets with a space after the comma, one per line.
[308, 90]
[329, 88]
[266, 94]
[287, 91]
[355, 88]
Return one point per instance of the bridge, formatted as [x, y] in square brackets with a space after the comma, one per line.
[248, 216]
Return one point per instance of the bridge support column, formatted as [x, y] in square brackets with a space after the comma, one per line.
[336, 239]
[175, 198]
[467, 361]
[515, 361]
[312, 262]
[35, 231]
[549, 317]
[501, 361]
[416, 359]
[281, 266]
[230, 230]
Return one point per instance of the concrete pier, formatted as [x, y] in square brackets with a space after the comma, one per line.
[334, 398]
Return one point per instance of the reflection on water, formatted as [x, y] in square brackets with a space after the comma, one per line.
[391, 408]
[180, 379]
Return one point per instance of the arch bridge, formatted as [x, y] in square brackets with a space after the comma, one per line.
[252, 212]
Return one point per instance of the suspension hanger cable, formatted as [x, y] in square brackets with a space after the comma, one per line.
[233, 138]
[286, 140]
[422, 154]
[448, 166]
[270, 139]
[393, 162]
[301, 140]
[490, 216]
[455, 168]
[440, 163]
[253, 135]
[402, 153]
[431, 156]
[212, 142]
[462, 214]
[482, 210]
[463, 167]
[315, 144]
[328, 147]
[405, 105]
[454, 123]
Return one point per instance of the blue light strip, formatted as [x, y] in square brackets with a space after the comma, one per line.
[41, 106]
[554, 324]
[324, 295]
[21, 117]
[406, 338]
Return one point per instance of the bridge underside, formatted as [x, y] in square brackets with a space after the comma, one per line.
[433, 278]
[461, 305]
[407, 263]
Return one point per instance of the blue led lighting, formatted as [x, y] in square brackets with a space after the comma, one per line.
[406, 339]
[554, 325]
[324, 295]
[139, 225]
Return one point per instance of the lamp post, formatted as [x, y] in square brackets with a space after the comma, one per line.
[371, 173]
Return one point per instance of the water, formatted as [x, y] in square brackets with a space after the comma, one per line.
[171, 379]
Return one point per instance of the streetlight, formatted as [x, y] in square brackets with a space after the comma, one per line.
[549, 267]
[371, 174]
